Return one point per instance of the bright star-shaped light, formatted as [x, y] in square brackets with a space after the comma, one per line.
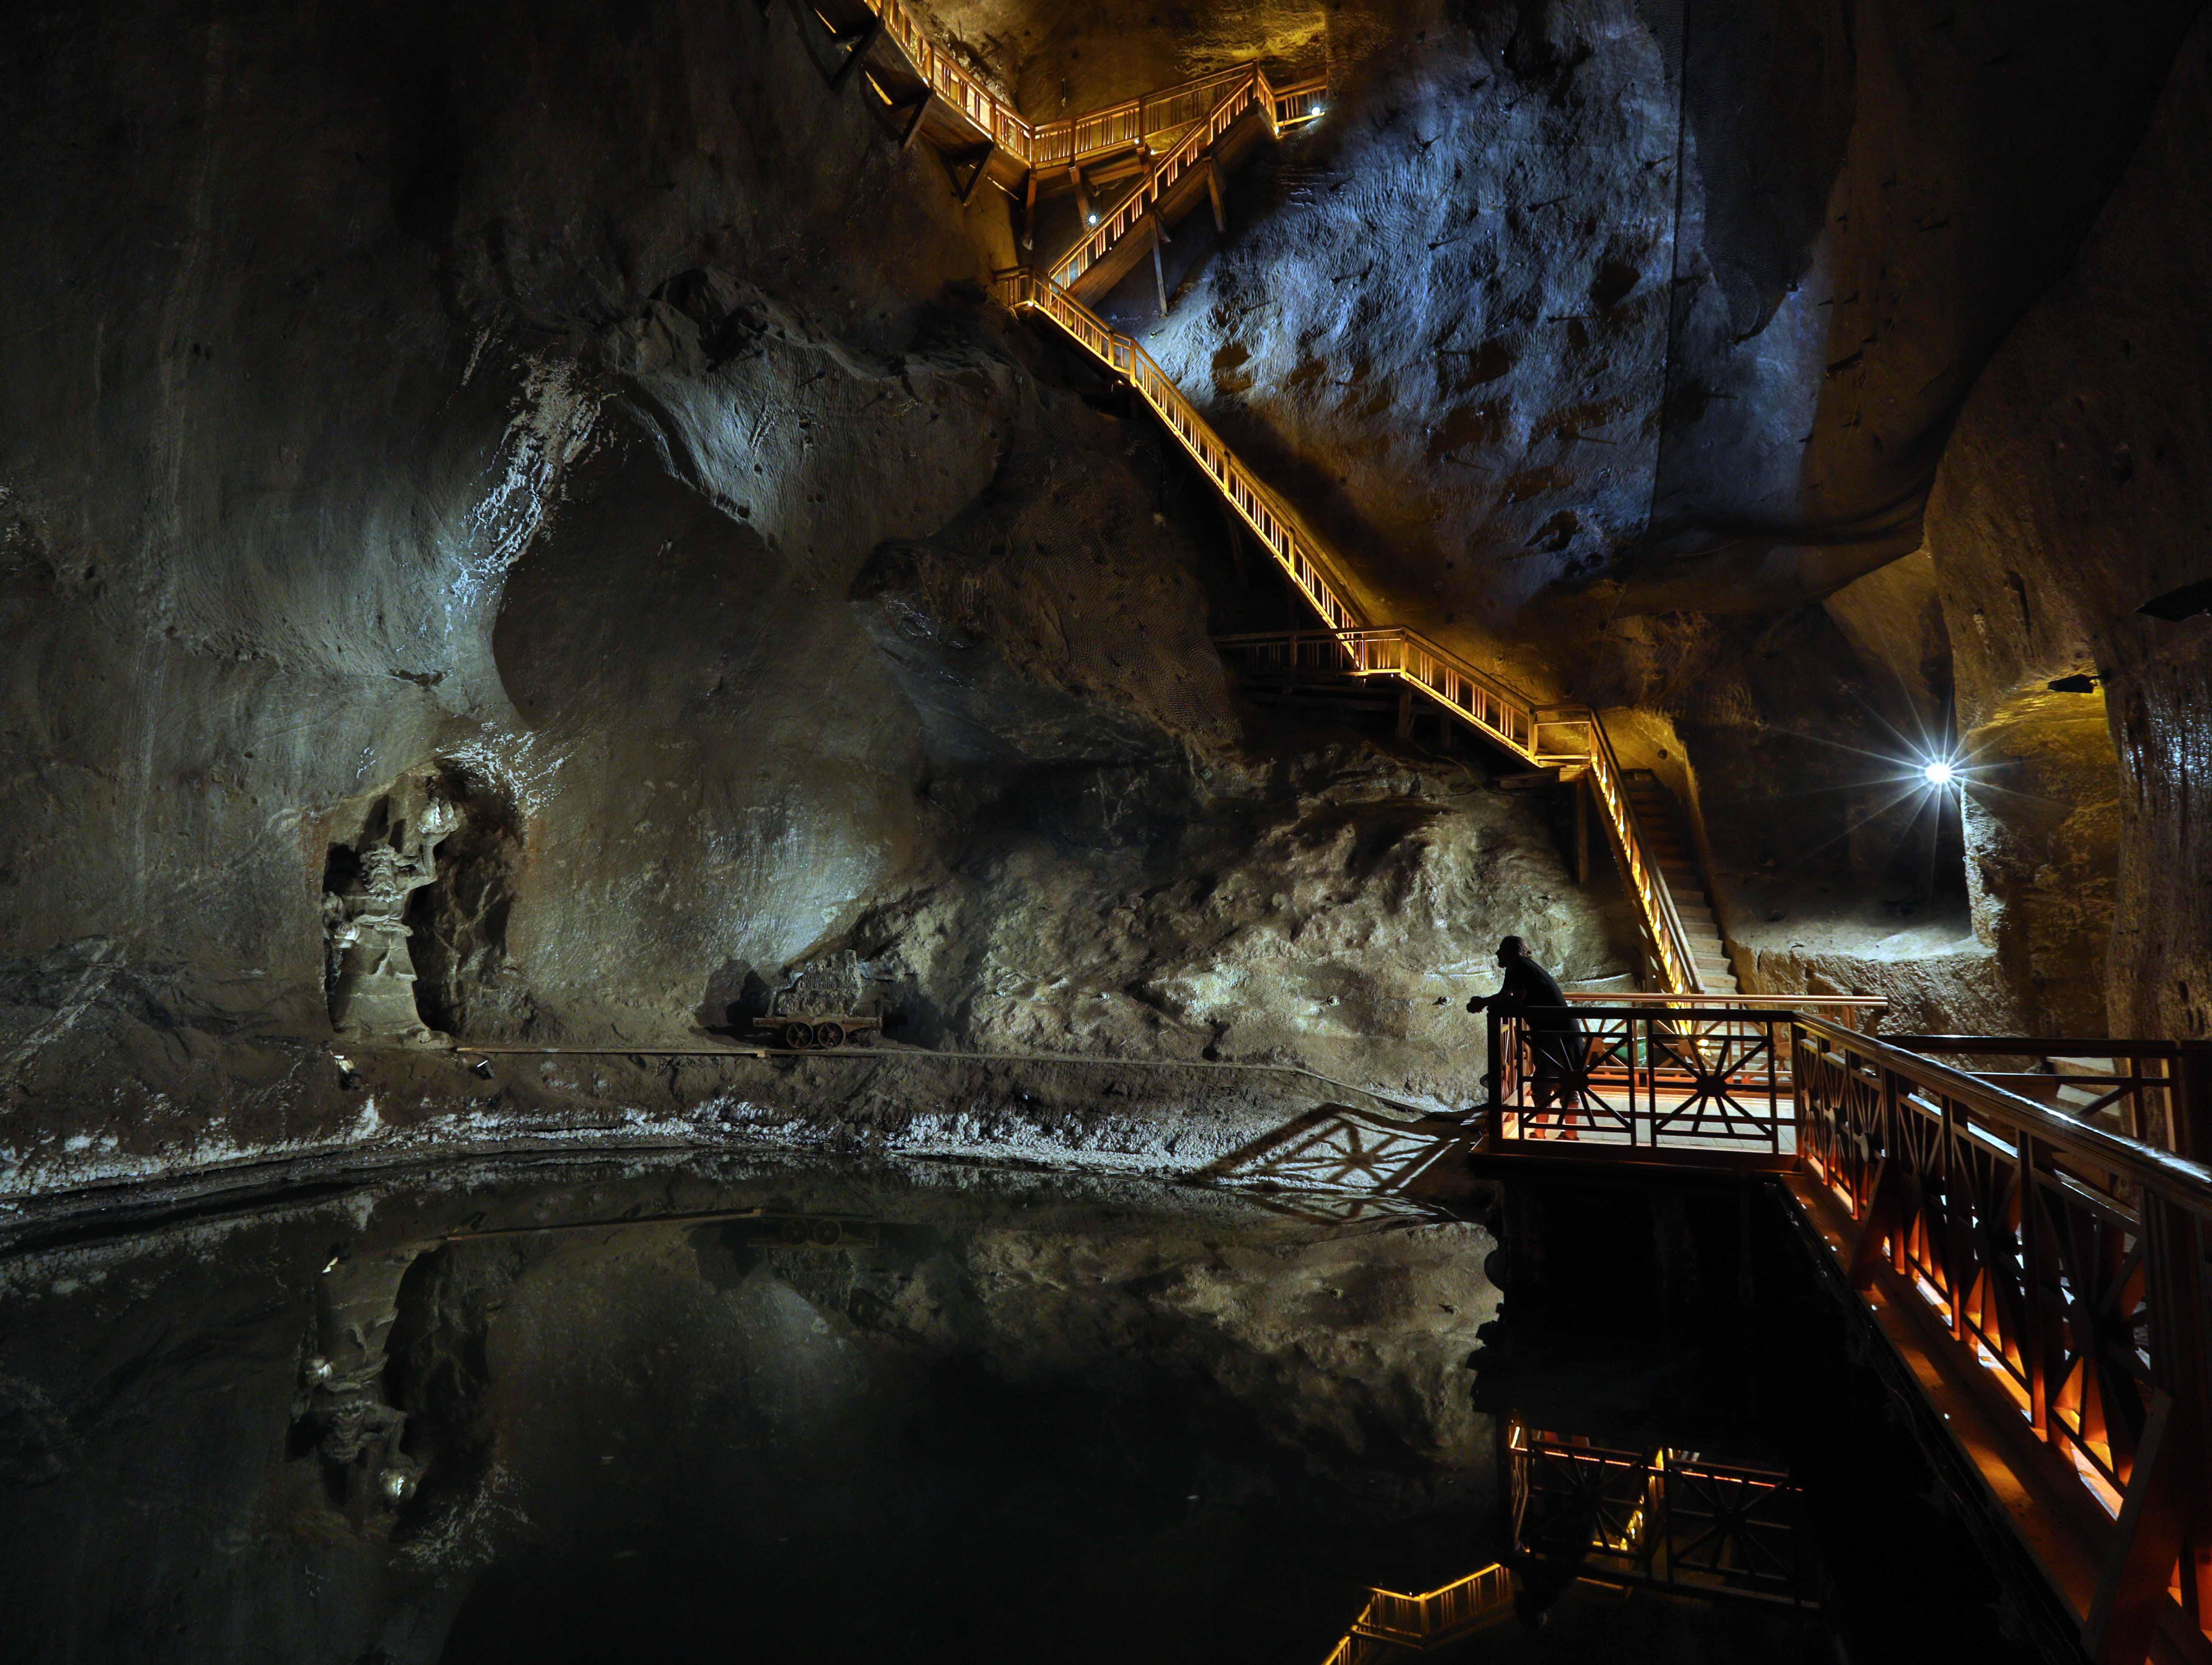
[1939, 774]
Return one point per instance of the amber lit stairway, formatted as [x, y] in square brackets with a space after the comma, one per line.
[1570, 740]
[1670, 840]
[1174, 144]
[1133, 169]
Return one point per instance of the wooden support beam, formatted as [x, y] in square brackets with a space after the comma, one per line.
[1885, 1217]
[2146, 1539]
[920, 109]
[1029, 211]
[1406, 714]
[856, 48]
[1082, 195]
[1159, 278]
[1582, 791]
[1213, 192]
[982, 166]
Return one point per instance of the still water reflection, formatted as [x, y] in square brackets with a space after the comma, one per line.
[734, 1409]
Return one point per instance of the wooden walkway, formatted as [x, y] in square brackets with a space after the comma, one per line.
[2044, 1281]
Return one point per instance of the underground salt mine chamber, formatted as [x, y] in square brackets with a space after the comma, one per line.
[977, 830]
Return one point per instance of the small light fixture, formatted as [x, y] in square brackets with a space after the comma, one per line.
[1092, 220]
[1939, 774]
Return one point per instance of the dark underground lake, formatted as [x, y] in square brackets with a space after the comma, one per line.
[734, 1408]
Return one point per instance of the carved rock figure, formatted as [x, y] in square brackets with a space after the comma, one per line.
[372, 988]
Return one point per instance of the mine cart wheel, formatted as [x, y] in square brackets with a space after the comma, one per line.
[798, 1037]
[829, 1035]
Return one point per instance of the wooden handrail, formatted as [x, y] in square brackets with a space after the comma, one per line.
[2187, 1183]
[2064, 1274]
[1130, 123]
[1070, 139]
[1786, 1002]
[1232, 98]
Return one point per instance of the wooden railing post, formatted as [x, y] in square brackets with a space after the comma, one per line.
[2191, 1100]
[1497, 1082]
[2179, 1290]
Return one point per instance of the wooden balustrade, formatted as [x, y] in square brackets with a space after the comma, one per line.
[2061, 1272]
[1133, 124]
[1233, 99]
[1845, 1009]
[2070, 1271]
[1695, 1087]
[2157, 1092]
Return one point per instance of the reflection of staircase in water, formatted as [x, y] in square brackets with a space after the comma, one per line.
[1392, 1625]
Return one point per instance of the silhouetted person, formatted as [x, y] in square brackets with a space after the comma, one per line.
[1555, 1034]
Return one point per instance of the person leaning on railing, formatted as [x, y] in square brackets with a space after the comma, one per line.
[1533, 995]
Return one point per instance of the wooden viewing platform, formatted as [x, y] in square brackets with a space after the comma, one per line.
[2044, 1279]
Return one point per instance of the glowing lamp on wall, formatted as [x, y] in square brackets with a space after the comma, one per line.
[1939, 774]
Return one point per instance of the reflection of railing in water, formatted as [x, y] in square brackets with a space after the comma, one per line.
[1667, 1518]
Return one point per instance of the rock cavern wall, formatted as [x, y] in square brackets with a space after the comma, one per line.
[522, 524]
[1445, 321]
[522, 521]
[2074, 491]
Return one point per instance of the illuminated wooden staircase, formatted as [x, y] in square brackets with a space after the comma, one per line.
[1234, 111]
[1670, 840]
[1133, 168]
[1175, 144]
[1570, 740]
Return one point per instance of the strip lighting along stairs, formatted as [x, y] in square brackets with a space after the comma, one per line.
[1570, 738]
[1175, 144]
